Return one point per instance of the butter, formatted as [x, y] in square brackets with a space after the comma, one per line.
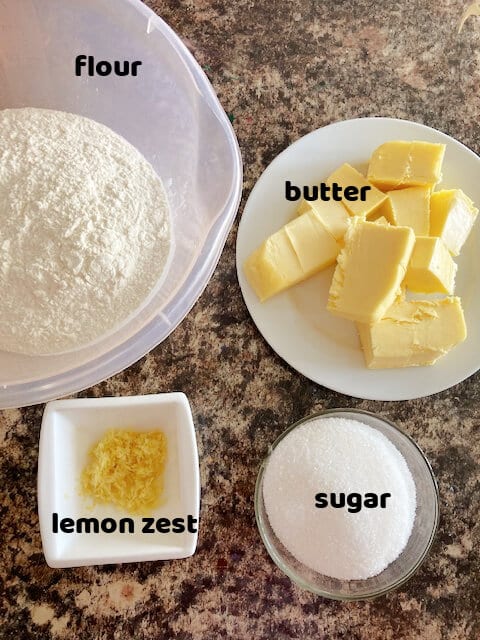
[384, 211]
[333, 214]
[410, 207]
[346, 176]
[431, 268]
[413, 333]
[297, 251]
[370, 269]
[400, 163]
[452, 215]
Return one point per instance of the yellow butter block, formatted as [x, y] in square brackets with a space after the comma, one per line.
[347, 176]
[399, 163]
[370, 269]
[297, 251]
[413, 333]
[313, 244]
[431, 268]
[452, 215]
[410, 207]
[384, 211]
[333, 215]
[272, 266]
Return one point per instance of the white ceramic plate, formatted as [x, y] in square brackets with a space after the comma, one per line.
[296, 322]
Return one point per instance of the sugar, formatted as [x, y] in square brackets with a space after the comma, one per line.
[338, 455]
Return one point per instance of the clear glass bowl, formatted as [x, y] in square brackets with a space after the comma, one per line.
[421, 539]
[170, 112]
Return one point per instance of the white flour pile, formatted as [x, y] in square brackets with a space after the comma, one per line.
[339, 455]
[84, 230]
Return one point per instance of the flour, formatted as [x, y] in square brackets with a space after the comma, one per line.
[84, 230]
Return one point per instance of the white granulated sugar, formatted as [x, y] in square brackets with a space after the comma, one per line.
[339, 455]
[84, 230]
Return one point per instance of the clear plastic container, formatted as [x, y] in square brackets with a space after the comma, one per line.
[170, 112]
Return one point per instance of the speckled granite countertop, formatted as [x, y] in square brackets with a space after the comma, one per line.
[281, 69]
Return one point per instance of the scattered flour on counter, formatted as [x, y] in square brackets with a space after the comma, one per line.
[84, 230]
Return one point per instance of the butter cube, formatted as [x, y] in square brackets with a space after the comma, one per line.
[370, 269]
[384, 212]
[431, 268]
[410, 207]
[413, 333]
[346, 176]
[333, 215]
[452, 215]
[297, 251]
[381, 220]
[399, 163]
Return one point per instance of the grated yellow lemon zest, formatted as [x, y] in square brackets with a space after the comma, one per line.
[125, 469]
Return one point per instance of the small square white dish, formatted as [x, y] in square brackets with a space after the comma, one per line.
[69, 429]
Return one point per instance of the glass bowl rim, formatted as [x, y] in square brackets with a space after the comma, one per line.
[272, 552]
